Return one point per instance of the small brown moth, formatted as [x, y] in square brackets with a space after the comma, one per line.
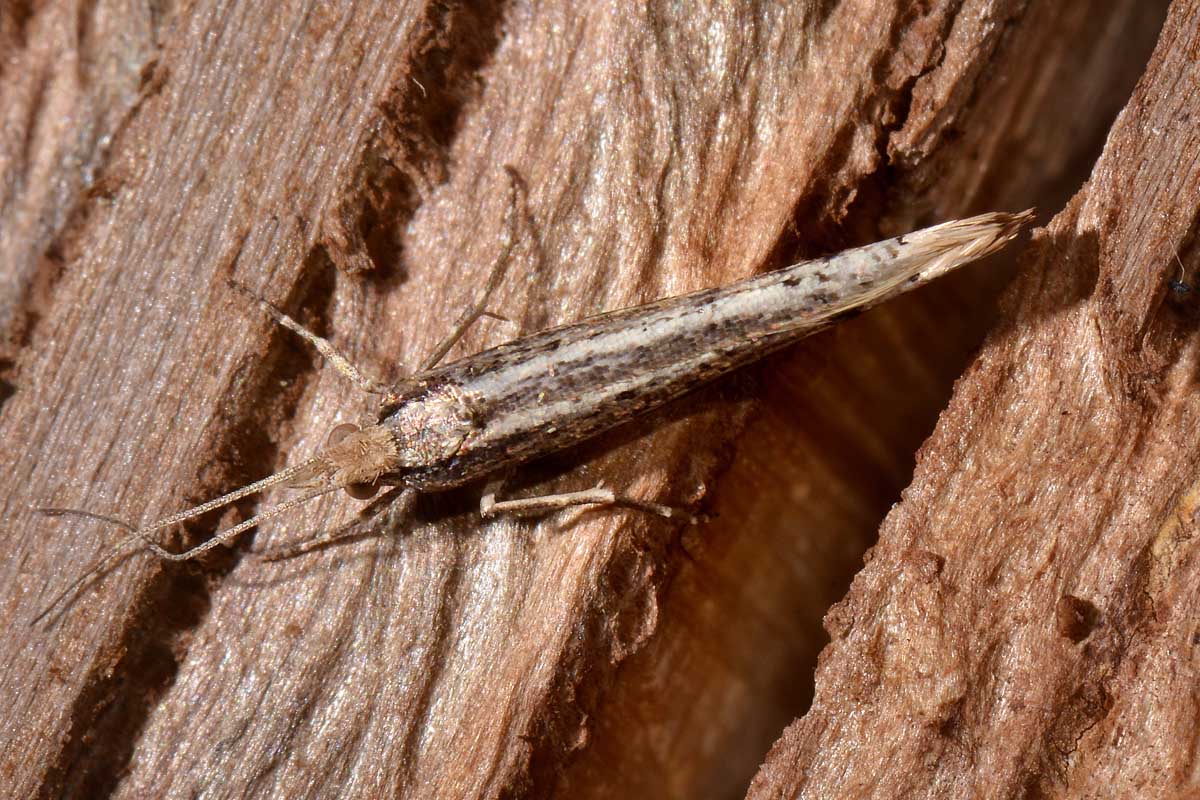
[474, 418]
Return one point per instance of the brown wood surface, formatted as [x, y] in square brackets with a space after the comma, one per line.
[345, 160]
[1027, 626]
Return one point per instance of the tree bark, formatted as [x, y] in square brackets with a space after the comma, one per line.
[345, 162]
[1026, 625]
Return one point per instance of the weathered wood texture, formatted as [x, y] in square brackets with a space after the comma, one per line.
[345, 161]
[831, 445]
[70, 75]
[1027, 624]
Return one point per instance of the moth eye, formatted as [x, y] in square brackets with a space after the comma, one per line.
[361, 491]
[340, 432]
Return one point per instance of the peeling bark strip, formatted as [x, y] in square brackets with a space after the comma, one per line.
[666, 150]
[1027, 624]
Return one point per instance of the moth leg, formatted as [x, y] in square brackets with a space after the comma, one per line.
[323, 346]
[499, 267]
[396, 512]
[598, 495]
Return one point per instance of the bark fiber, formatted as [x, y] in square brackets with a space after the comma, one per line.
[1023, 625]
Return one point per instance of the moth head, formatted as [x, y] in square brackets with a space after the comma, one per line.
[357, 458]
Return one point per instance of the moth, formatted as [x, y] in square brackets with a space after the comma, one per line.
[479, 416]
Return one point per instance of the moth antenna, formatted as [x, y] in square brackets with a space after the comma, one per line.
[227, 535]
[282, 476]
[142, 535]
[79, 512]
[89, 575]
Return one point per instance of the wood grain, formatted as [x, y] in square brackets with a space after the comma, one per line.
[830, 447]
[72, 75]
[1026, 624]
[345, 160]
